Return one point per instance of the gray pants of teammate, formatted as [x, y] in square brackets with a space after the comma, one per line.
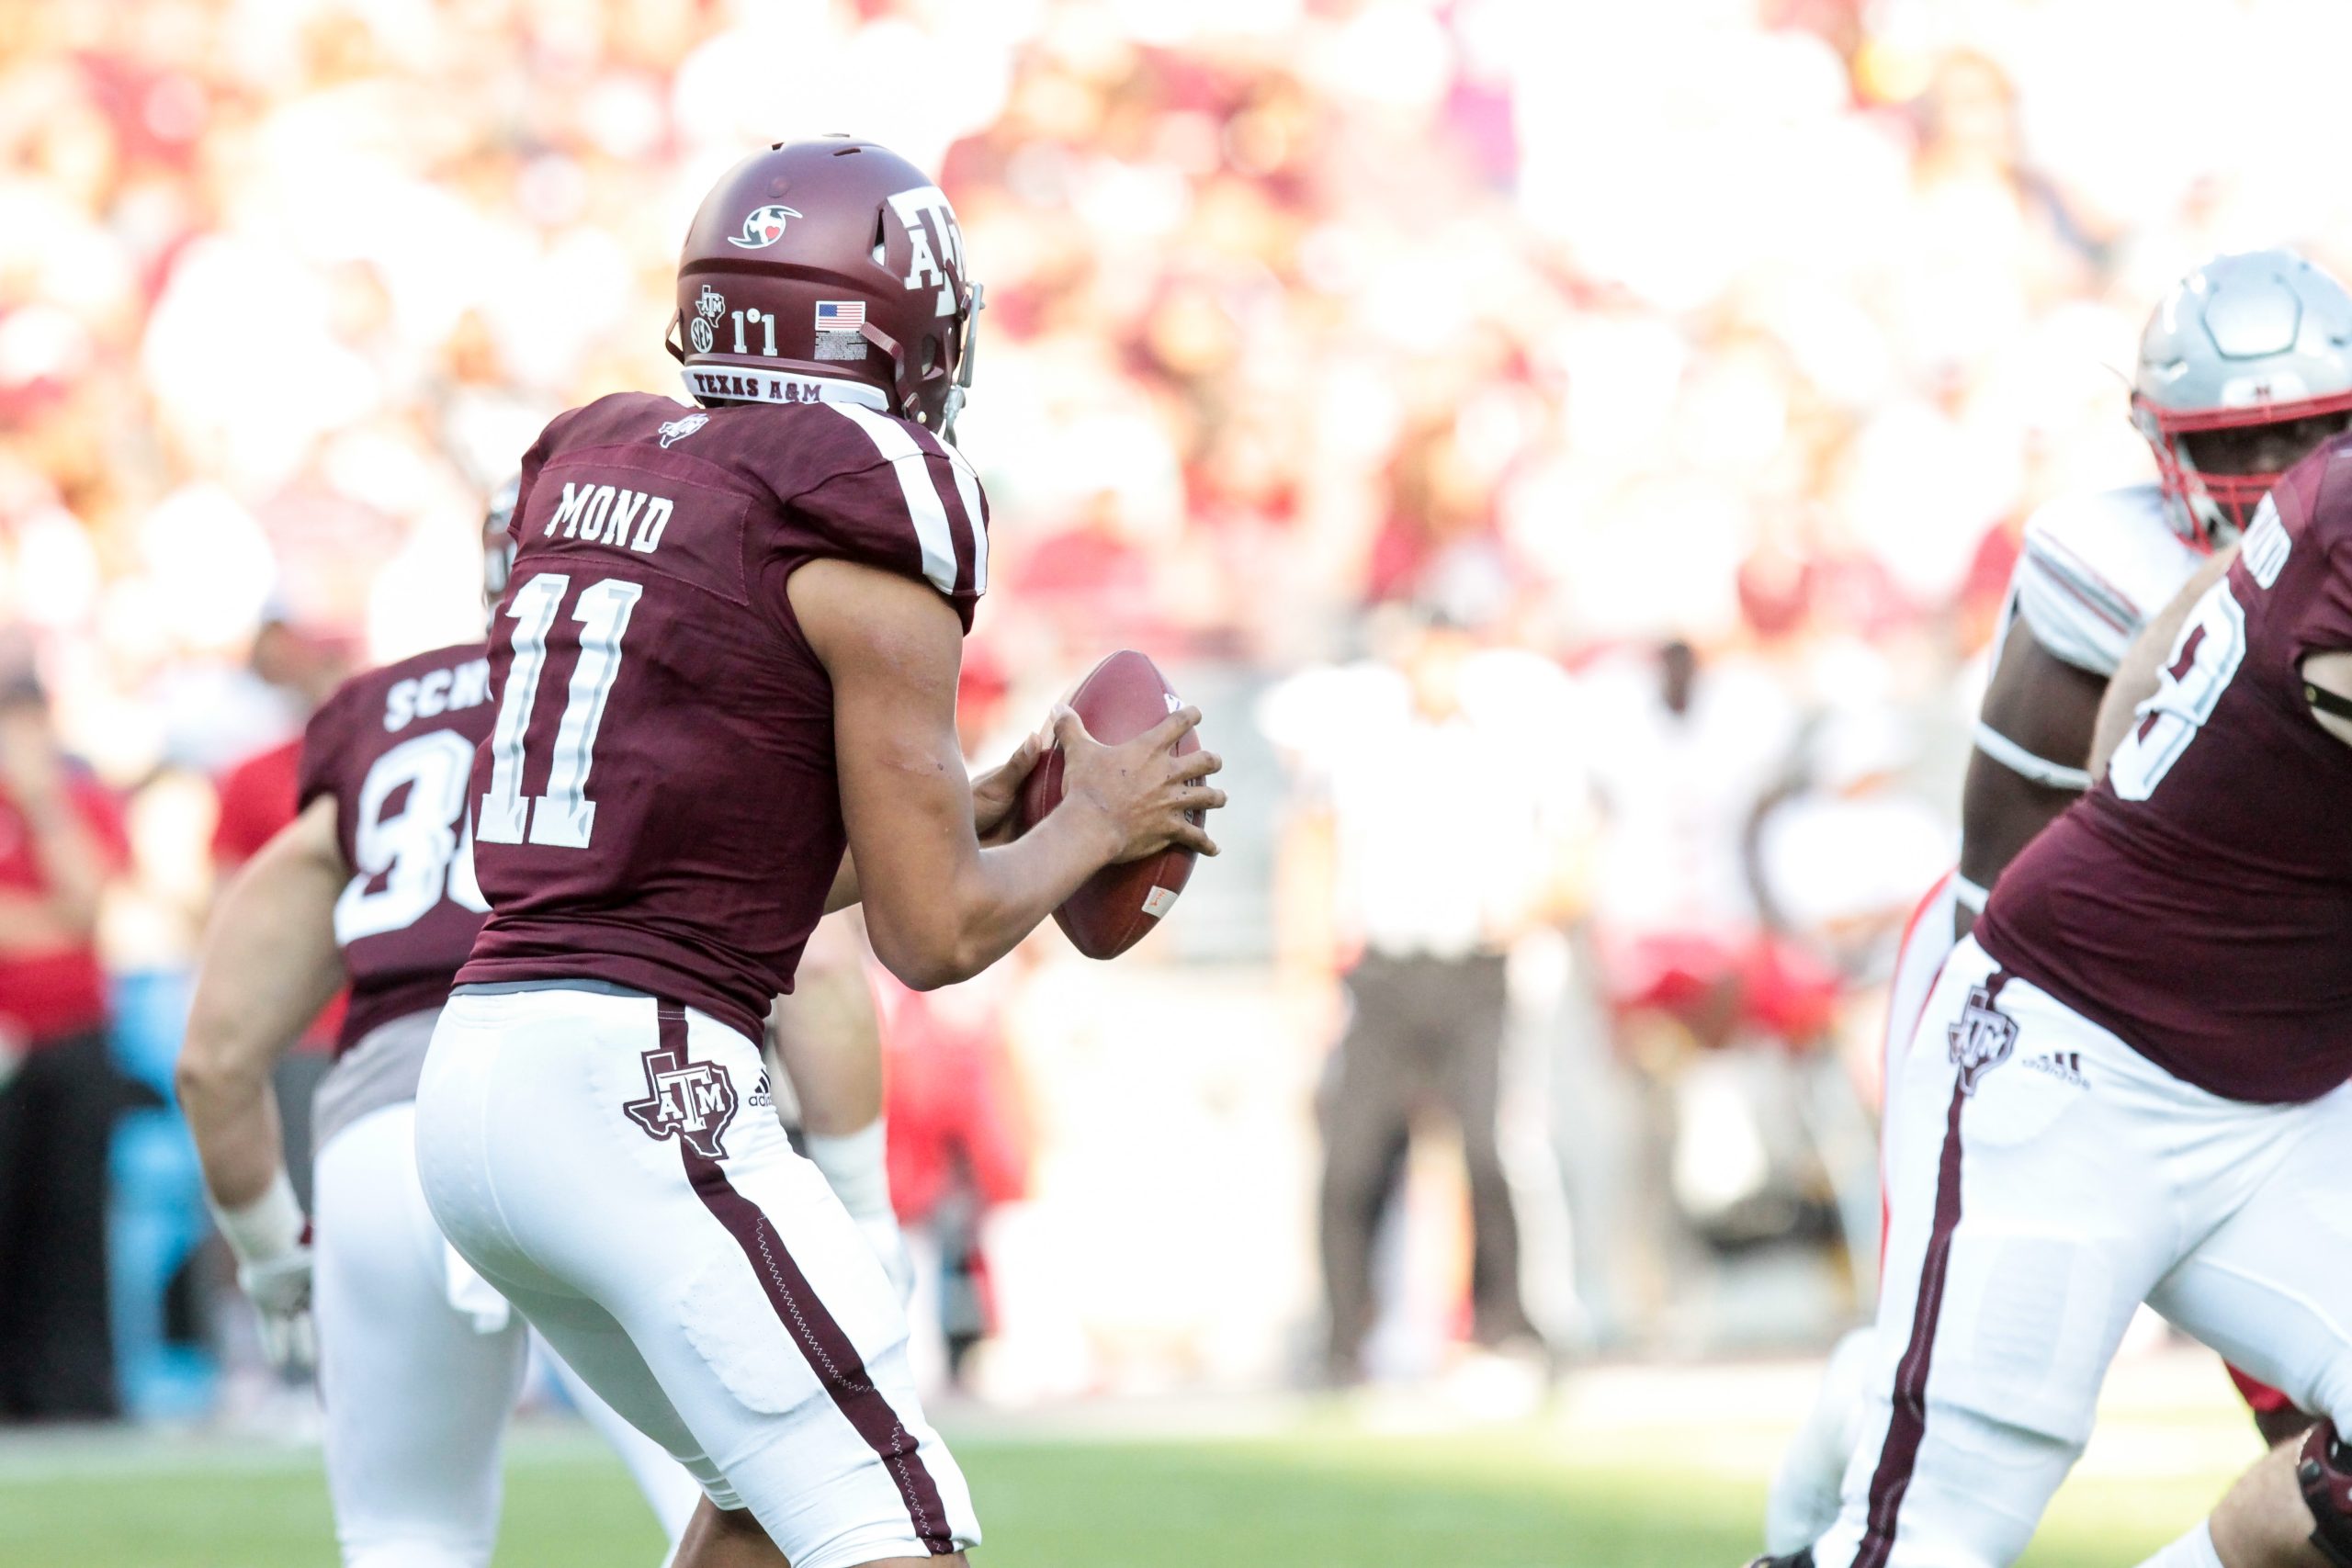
[1427, 1034]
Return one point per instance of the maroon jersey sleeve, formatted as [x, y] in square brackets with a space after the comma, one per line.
[2323, 620]
[394, 748]
[890, 494]
[326, 741]
[659, 807]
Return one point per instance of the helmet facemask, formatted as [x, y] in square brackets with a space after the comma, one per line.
[959, 390]
[2213, 502]
[498, 547]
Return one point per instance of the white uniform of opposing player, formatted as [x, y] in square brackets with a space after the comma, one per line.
[2090, 572]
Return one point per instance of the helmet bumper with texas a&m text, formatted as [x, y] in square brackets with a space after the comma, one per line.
[828, 269]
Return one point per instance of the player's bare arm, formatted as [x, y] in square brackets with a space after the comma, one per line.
[940, 906]
[995, 795]
[2136, 678]
[827, 1037]
[2034, 734]
[269, 965]
[826, 1033]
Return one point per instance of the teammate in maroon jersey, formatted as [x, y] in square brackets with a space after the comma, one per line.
[2130, 1085]
[373, 881]
[729, 656]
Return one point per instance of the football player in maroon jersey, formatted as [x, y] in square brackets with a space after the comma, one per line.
[2244, 366]
[2130, 1085]
[730, 655]
[374, 882]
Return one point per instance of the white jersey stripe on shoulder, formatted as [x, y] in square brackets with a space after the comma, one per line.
[2077, 575]
[928, 512]
[967, 490]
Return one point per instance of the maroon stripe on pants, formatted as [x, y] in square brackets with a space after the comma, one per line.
[1908, 1423]
[822, 1341]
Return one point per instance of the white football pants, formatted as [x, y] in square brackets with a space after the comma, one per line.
[2046, 1178]
[1926, 947]
[614, 1164]
[1805, 1495]
[416, 1387]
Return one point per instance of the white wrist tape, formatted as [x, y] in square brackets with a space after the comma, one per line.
[1971, 897]
[856, 1165]
[265, 1229]
[2025, 764]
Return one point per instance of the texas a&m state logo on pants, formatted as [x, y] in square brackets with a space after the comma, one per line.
[694, 1100]
[1982, 1038]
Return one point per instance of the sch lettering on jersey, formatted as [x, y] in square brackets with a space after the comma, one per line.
[606, 515]
[429, 695]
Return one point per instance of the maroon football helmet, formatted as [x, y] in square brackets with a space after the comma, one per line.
[818, 265]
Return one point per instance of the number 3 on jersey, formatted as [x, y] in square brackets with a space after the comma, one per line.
[2204, 660]
[563, 816]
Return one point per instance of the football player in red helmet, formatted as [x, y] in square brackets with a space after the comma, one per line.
[729, 656]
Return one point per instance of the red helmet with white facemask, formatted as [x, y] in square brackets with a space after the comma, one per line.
[827, 269]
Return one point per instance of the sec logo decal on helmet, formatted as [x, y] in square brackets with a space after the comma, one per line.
[763, 228]
[857, 292]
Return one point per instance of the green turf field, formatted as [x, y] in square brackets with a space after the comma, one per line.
[1320, 1494]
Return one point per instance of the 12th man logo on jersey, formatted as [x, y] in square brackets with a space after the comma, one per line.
[762, 227]
[1982, 1039]
[694, 1100]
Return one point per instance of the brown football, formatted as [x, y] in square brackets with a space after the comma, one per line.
[1125, 696]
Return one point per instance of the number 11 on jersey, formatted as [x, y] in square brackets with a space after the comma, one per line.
[563, 816]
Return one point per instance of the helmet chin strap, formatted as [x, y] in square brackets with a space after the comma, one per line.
[2207, 515]
[959, 394]
[2219, 530]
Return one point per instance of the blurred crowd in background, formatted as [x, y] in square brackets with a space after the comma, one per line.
[1644, 398]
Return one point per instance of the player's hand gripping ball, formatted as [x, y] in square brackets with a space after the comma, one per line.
[1125, 697]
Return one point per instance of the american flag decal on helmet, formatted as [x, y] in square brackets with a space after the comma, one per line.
[840, 315]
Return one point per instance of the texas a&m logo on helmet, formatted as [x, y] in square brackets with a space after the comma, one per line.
[692, 1101]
